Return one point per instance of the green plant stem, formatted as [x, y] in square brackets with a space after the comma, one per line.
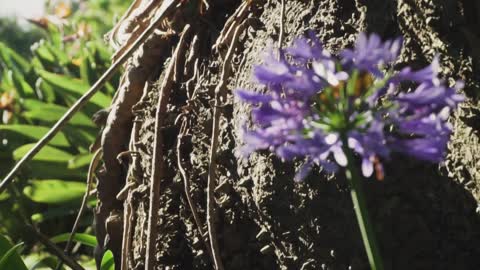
[361, 212]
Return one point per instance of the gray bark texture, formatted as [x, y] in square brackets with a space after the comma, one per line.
[425, 215]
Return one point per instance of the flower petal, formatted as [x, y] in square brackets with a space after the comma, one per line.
[367, 167]
[339, 156]
[303, 172]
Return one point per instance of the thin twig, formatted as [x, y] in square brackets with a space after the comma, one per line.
[282, 25]
[128, 207]
[91, 170]
[219, 94]
[186, 182]
[111, 35]
[231, 25]
[127, 229]
[54, 249]
[190, 63]
[158, 164]
[134, 22]
[167, 7]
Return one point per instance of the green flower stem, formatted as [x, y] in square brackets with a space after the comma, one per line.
[358, 197]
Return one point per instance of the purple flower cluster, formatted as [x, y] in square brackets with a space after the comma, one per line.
[318, 105]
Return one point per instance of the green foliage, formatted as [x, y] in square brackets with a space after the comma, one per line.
[16, 37]
[24, 133]
[85, 239]
[107, 261]
[42, 73]
[54, 191]
[9, 257]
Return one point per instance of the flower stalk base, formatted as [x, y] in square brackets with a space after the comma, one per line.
[361, 212]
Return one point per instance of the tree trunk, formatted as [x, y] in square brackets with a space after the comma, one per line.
[424, 215]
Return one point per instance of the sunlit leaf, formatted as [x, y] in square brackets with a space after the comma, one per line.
[107, 261]
[47, 153]
[44, 91]
[74, 86]
[50, 113]
[7, 80]
[40, 261]
[9, 257]
[82, 138]
[80, 161]
[83, 238]
[54, 191]
[13, 60]
[85, 69]
[55, 35]
[4, 196]
[34, 133]
[89, 265]
[23, 87]
[59, 54]
[42, 52]
[37, 64]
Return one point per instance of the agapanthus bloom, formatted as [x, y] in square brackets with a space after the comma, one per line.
[317, 105]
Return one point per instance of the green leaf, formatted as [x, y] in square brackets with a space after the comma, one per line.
[13, 60]
[4, 196]
[47, 153]
[44, 91]
[80, 161]
[41, 51]
[58, 53]
[55, 35]
[85, 70]
[37, 63]
[82, 138]
[54, 191]
[9, 258]
[110, 89]
[40, 261]
[83, 238]
[7, 80]
[50, 113]
[107, 261]
[101, 51]
[33, 133]
[89, 264]
[21, 85]
[74, 87]
[53, 170]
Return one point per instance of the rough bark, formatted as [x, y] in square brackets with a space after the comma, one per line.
[424, 215]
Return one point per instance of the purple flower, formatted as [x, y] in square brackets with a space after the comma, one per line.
[429, 97]
[427, 148]
[370, 145]
[325, 70]
[319, 106]
[304, 50]
[272, 71]
[369, 53]
[428, 73]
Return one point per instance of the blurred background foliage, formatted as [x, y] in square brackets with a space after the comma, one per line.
[44, 69]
